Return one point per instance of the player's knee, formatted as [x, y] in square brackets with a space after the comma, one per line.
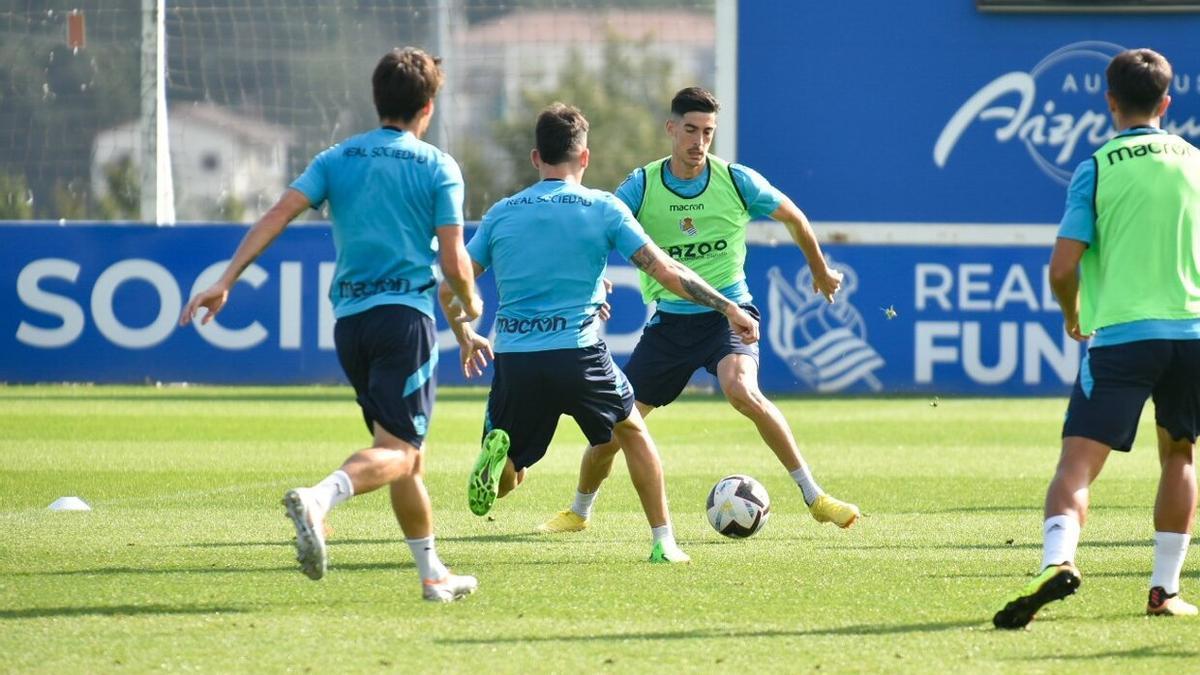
[406, 462]
[1177, 448]
[746, 399]
[606, 451]
[628, 435]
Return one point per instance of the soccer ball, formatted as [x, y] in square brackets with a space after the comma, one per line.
[738, 506]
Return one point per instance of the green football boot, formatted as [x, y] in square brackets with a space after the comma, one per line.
[1054, 583]
[665, 554]
[484, 483]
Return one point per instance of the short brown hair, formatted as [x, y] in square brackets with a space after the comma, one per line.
[404, 81]
[694, 99]
[1138, 80]
[561, 133]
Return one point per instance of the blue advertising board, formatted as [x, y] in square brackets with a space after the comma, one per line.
[100, 303]
[931, 111]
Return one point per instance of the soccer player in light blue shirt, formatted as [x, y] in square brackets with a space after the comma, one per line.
[383, 242]
[548, 246]
[391, 196]
[550, 260]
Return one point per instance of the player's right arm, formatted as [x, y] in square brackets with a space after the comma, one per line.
[682, 281]
[1064, 281]
[273, 222]
[1076, 231]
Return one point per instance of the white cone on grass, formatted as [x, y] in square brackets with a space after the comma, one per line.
[69, 504]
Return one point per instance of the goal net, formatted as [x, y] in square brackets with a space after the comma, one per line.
[254, 90]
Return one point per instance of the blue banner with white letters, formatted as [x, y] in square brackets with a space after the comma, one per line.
[100, 303]
[932, 111]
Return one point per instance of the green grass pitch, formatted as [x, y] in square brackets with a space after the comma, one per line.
[185, 563]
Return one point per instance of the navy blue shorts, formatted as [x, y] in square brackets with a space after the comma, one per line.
[530, 390]
[389, 353]
[1115, 381]
[673, 346]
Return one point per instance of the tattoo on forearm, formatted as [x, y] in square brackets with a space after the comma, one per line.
[645, 260]
[702, 293]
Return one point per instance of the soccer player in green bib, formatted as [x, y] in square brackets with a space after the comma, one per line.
[695, 207]
[1126, 272]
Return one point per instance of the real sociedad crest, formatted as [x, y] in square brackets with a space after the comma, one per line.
[825, 345]
[688, 227]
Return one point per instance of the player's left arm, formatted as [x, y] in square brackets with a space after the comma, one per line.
[475, 350]
[271, 225]
[826, 280]
[764, 199]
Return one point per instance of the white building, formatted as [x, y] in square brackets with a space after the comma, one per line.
[494, 61]
[217, 155]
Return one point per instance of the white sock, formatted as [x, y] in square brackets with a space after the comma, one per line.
[808, 485]
[428, 564]
[583, 503]
[1170, 548]
[664, 534]
[335, 489]
[1060, 539]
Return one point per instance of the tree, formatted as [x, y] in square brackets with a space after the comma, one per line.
[71, 200]
[54, 99]
[482, 11]
[16, 202]
[625, 102]
[124, 198]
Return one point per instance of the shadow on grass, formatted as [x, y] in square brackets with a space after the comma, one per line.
[701, 634]
[966, 509]
[116, 571]
[334, 568]
[286, 543]
[979, 547]
[517, 537]
[1010, 508]
[1140, 574]
[114, 610]
[331, 394]
[1147, 652]
[335, 541]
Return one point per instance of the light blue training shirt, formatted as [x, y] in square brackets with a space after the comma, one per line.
[548, 247]
[388, 191]
[1079, 223]
[762, 199]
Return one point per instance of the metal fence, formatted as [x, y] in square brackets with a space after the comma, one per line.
[251, 91]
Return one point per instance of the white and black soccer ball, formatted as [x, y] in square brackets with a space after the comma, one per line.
[738, 506]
